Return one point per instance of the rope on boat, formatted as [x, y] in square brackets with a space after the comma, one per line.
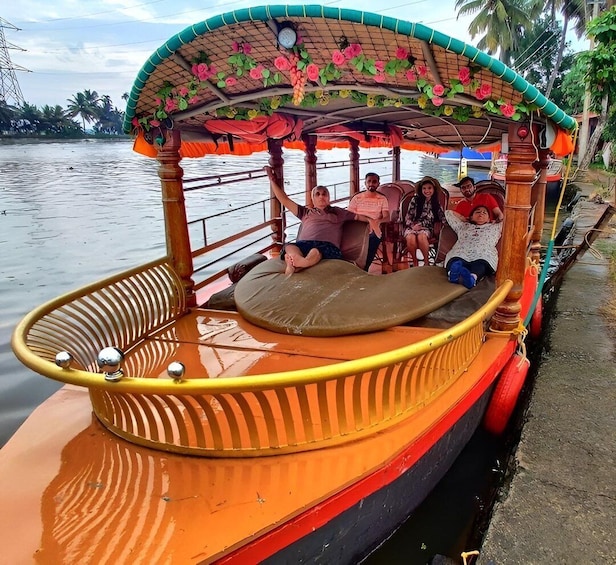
[550, 249]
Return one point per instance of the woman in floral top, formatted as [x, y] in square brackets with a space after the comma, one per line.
[474, 255]
[424, 211]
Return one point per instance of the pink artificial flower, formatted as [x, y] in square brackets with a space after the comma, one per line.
[154, 123]
[246, 48]
[379, 77]
[338, 58]
[507, 110]
[379, 65]
[236, 47]
[422, 70]
[158, 101]
[437, 101]
[352, 50]
[411, 75]
[464, 75]
[182, 91]
[282, 63]
[438, 90]
[230, 81]
[171, 104]
[135, 121]
[195, 69]
[193, 100]
[401, 53]
[312, 71]
[257, 72]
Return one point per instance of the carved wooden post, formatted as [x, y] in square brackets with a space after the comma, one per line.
[395, 164]
[512, 261]
[537, 200]
[354, 185]
[276, 161]
[310, 165]
[174, 210]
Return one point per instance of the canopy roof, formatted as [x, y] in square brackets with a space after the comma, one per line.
[228, 85]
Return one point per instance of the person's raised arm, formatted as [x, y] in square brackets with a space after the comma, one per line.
[498, 214]
[279, 193]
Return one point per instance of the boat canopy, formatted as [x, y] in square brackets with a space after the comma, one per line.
[233, 81]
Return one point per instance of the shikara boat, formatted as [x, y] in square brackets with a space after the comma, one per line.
[472, 157]
[554, 174]
[218, 411]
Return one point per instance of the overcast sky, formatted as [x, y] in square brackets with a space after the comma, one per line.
[72, 45]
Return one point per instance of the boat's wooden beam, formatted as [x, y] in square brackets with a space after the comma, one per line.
[245, 99]
[429, 57]
[179, 60]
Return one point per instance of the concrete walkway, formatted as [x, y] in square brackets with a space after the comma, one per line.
[560, 507]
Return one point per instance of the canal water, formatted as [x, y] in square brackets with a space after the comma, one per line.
[74, 212]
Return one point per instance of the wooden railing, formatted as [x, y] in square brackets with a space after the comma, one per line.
[234, 416]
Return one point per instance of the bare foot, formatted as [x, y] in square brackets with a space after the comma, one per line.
[290, 265]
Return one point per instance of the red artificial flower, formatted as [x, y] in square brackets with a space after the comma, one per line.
[282, 63]
[507, 110]
[401, 53]
[437, 101]
[422, 71]
[464, 75]
[230, 81]
[312, 71]
[411, 75]
[338, 58]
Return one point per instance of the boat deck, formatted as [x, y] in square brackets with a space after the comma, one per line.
[133, 504]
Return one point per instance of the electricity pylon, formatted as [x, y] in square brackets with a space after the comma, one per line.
[9, 87]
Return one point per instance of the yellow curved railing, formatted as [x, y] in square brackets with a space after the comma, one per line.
[233, 416]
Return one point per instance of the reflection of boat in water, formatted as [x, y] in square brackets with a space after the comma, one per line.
[477, 159]
[275, 419]
[554, 174]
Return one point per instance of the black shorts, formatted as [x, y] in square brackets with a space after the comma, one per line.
[328, 250]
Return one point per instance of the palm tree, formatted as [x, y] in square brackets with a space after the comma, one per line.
[29, 118]
[85, 104]
[502, 22]
[572, 11]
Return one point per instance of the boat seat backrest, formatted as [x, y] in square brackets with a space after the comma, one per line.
[355, 239]
[493, 188]
[393, 192]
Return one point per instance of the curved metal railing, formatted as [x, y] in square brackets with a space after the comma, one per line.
[232, 416]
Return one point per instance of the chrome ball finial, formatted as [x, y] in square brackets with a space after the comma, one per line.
[176, 370]
[64, 360]
[109, 360]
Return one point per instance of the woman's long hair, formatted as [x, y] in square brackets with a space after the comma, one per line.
[421, 199]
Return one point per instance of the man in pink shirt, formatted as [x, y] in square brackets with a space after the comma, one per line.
[472, 200]
[374, 205]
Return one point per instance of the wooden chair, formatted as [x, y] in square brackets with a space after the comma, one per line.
[493, 188]
[394, 193]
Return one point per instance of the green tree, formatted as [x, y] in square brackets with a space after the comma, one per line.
[86, 105]
[572, 11]
[29, 118]
[501, 21]
[7, 116]
[110, 118]
[600, 77]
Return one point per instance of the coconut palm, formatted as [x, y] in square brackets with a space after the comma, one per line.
[7, 115]
[85, 104]
[573, 11]
[501, 21]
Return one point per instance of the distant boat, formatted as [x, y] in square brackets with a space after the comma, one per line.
[481, 159]
[554, 174]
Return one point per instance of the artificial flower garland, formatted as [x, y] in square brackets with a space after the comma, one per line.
[298, 63]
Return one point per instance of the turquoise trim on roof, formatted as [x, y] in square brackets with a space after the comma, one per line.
[418, 31]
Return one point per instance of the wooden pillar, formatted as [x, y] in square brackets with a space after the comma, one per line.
[354, 186]
[512, 261]
[174, 210]
[276, 161]
[537, 200]
[310, 165]
[395, 164]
